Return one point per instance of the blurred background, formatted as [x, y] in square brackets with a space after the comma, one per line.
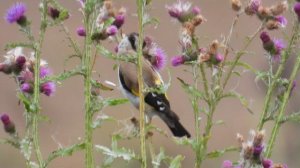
[65, 108]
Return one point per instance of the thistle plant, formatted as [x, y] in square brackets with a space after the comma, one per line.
[209, 65]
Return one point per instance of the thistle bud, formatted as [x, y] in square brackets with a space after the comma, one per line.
[268, 44]
[53, 12]
[81, 31]
[9, 126]
[20, 63]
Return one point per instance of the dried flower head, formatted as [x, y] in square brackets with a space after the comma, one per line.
[279, 8]
[264, 12]
[213, 48]
[236, 5]
[16, 13]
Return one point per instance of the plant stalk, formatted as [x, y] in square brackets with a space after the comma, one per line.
[140, 6]
[276, 77]
[36, 93]
[286, 97]
[87, 70]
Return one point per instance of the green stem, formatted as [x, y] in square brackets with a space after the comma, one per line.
[87, 70]
[286, 96]
[36, 94]
[140, 6]
[275, 79]
[196, 112]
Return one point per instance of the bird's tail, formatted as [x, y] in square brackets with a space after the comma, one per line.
[175, 126]
[178, 130]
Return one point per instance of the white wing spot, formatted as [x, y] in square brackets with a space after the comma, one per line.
[153, 94]
[159, 102]
[161, 108]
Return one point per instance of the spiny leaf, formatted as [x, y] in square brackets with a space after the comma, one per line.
[244, 65]
[176, 162]
[114, 102]
[18, 44]
[219, 153]
[67, 151]
[295, 117]
[191, 90]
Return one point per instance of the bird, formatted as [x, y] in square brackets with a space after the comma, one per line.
[156, 103]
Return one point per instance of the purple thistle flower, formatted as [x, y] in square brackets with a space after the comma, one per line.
[160, 59]
[48, 88]
[26, 76]
[219, 57]
[282, 20]
[254, 5]
[112, 30]
[297, 9]
[16, 13]
[257, 150]
[9, 126]
[81, 31]
[267, 163]
[279, 46]
[227, 164]
[196, 10]
[177, 60]
[26, 88]
[45, 71]
[177, 10]
[119, 20]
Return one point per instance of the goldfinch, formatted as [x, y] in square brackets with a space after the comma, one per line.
[156, 103]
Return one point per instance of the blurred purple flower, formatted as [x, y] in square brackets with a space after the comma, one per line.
[267, 163]
[227, 164]
[26, 88]
[279, 46]
[282, 20]
[160, 59]
[177, 60]
[81, 31]
[297, 9]
[254, 5]
[112, 30]
[257, 150]
[16, 13]
[119, 20]
[196, 10]
[48, 88]
[178, 9]
[45, 71]
[219, 57]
